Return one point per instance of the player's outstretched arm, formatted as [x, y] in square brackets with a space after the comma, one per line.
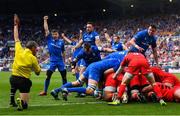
[107, 50]
[120, 69]
[111, 70]
[46, 29]
[16, 26]
[65, 38]
[79, 44]
[132, 42]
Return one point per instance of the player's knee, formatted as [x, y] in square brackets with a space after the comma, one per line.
[127, 77]
[49, 74]
[90, 89]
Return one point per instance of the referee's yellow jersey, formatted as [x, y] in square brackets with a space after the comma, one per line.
[24, 62]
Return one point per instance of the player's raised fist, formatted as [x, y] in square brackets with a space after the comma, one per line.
[16, 20]
[45, 17]
[80, 31]
[105, 30]
[63, 35]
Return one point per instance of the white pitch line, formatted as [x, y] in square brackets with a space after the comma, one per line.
[65, 104]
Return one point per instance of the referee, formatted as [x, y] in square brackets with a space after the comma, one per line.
[25, 61]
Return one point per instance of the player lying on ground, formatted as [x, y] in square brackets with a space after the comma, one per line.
[25, 62]
[169, 94]
[133, 90]
[164, 77]
[136, 63]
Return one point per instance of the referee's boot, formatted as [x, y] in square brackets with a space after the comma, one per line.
[13, 104]
[19, 104]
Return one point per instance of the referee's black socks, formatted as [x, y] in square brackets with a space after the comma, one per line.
[12, 95]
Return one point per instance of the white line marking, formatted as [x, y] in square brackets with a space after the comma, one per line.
[64, 104]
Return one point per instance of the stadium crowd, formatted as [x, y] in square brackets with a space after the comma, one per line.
[168, 34]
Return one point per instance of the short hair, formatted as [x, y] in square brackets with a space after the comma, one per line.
[54, 31]
[118, 36]
[153, 26]
[31, 44]
[91, 23]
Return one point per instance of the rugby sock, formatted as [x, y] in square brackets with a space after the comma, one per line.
[157, 90]
[47, 81]
[63, 75]
[67, 85]
[121, 90]
[12, 95]
[46, 85]
[77, 76]
[77, 89]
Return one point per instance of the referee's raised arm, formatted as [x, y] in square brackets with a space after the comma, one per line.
[18, 47]
[46, 29]
[16, 26]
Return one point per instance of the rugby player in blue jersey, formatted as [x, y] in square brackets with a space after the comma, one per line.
[143, 40]
[73, 41]
[57, 56]
[115, 41]
[90, 36]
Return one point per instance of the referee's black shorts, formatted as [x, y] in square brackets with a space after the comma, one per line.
[21, 83]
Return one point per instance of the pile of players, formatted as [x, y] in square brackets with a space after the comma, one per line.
[124, 74]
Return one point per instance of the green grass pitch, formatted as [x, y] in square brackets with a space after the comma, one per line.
[46, 105]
